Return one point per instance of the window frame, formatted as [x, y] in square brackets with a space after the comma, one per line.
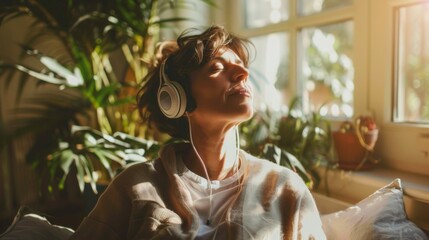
[403, 146]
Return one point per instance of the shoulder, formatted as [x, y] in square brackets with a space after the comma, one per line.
[136, 173]
[266, 166]
[137, 181]
[137, 170]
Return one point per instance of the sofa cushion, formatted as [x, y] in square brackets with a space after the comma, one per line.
[379, 216]
[29, 225]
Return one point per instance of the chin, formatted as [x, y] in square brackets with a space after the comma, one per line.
[250, 113]
[247, 115]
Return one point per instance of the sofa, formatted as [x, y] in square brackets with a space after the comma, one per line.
[379, 216]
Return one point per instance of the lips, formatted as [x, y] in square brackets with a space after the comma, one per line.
[239, 91]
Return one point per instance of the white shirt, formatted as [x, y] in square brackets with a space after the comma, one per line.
[223, 194]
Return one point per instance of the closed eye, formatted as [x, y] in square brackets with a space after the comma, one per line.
[217, 67]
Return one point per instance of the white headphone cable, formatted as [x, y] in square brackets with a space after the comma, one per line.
[209, 184]
[237, 149]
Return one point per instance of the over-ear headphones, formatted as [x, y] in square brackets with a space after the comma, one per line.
[171, 95]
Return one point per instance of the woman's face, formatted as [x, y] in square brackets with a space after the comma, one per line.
[221, 91]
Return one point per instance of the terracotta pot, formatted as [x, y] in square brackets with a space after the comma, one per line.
[349, 150]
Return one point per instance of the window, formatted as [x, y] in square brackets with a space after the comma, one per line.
[308, 7]
[261, 13]
[269, 71]
[304, 49]
[327, 69]
[412, 64]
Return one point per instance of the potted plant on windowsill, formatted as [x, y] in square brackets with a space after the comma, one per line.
[354, 144]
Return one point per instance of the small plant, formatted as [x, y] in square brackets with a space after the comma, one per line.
[293, 140]
[355, 142]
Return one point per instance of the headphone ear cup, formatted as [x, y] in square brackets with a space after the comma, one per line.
[172, 99]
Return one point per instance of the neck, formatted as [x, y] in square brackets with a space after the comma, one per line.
[217, 149]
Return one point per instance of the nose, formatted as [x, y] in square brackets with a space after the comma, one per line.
[241, 73]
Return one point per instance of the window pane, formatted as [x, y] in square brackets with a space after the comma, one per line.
[259, 13]
[327, 70]
[269, 70]
[412, 68]
[307, 7]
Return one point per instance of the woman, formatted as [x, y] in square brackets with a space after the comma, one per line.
[204, 188]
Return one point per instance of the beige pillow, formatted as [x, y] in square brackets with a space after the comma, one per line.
[31, 226]
[379, 216]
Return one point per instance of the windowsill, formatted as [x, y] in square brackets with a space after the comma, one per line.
[353, 186]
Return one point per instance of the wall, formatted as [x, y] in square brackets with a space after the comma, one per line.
[19, 182]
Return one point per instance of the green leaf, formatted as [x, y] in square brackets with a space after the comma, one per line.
[66, 160]
[82, 62]
[104, 161]
[112, 156]
[80, 174]
[170, 20]
[272, 153]
[102, 95]
[122, 101]
[40, 76]
[89, 171]
[295, 164]
[89, 140]
[131, 156]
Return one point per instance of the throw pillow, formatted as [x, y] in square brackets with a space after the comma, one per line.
[29, 225]
[379, 216]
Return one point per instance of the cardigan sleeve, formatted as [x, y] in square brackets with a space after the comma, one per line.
[110, 216]
[132, 207]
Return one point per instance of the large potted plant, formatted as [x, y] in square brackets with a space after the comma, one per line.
[86, 126]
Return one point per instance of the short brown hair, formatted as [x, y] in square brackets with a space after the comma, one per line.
[192, 52]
